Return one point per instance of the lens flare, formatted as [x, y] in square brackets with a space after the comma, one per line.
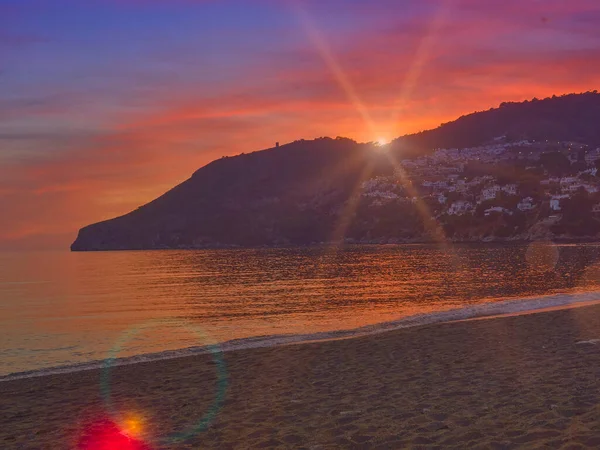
[348, 210]
[419, 61]
[132, 425]
[323, 49]
[591, 277]
[104, 434]
[542, 256]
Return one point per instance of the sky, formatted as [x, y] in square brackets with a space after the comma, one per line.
[106, 104]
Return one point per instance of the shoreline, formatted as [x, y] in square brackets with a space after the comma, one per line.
[490, 310]
[558, 240]
[511, 382]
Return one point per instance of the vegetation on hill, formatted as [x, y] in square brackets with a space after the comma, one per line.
[572, 117]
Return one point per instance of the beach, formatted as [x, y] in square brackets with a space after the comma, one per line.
[525, 381]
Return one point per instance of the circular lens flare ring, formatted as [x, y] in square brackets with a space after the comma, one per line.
[134, 425]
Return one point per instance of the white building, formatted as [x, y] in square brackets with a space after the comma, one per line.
[446, 154]
[375, 184]
[526, 204]
[497, 209]
[568, 180]
[460, 207]
[490, 192]
[593, 171]
[555, 201]
[592, 156]
[510, 189]
[381, 194]
[439, 184]
[435, 184]
[550, 181]
[589, 188]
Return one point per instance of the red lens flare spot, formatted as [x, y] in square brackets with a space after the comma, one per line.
[106, 435]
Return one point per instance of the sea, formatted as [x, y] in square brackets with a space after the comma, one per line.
[62, 311]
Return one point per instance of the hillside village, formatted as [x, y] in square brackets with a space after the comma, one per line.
[514, 185]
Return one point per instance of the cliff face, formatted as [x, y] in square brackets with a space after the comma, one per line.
[288, 195]
[309, 192]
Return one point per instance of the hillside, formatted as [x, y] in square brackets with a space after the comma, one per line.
[572, 117]
[309, 192]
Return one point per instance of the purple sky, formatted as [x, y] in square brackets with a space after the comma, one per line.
[105, 104]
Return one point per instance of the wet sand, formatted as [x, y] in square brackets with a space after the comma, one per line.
[523, 381]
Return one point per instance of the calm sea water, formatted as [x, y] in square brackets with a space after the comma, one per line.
[65, 308]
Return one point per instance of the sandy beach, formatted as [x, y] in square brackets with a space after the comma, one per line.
[528, 381]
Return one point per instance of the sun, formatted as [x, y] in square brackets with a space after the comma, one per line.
[382, 141]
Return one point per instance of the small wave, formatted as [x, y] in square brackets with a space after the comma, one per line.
[53, 349]
[505, 307]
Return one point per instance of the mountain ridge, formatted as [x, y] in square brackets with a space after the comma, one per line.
[299, 193]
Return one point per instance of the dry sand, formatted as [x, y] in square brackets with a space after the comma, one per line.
[514, 382]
